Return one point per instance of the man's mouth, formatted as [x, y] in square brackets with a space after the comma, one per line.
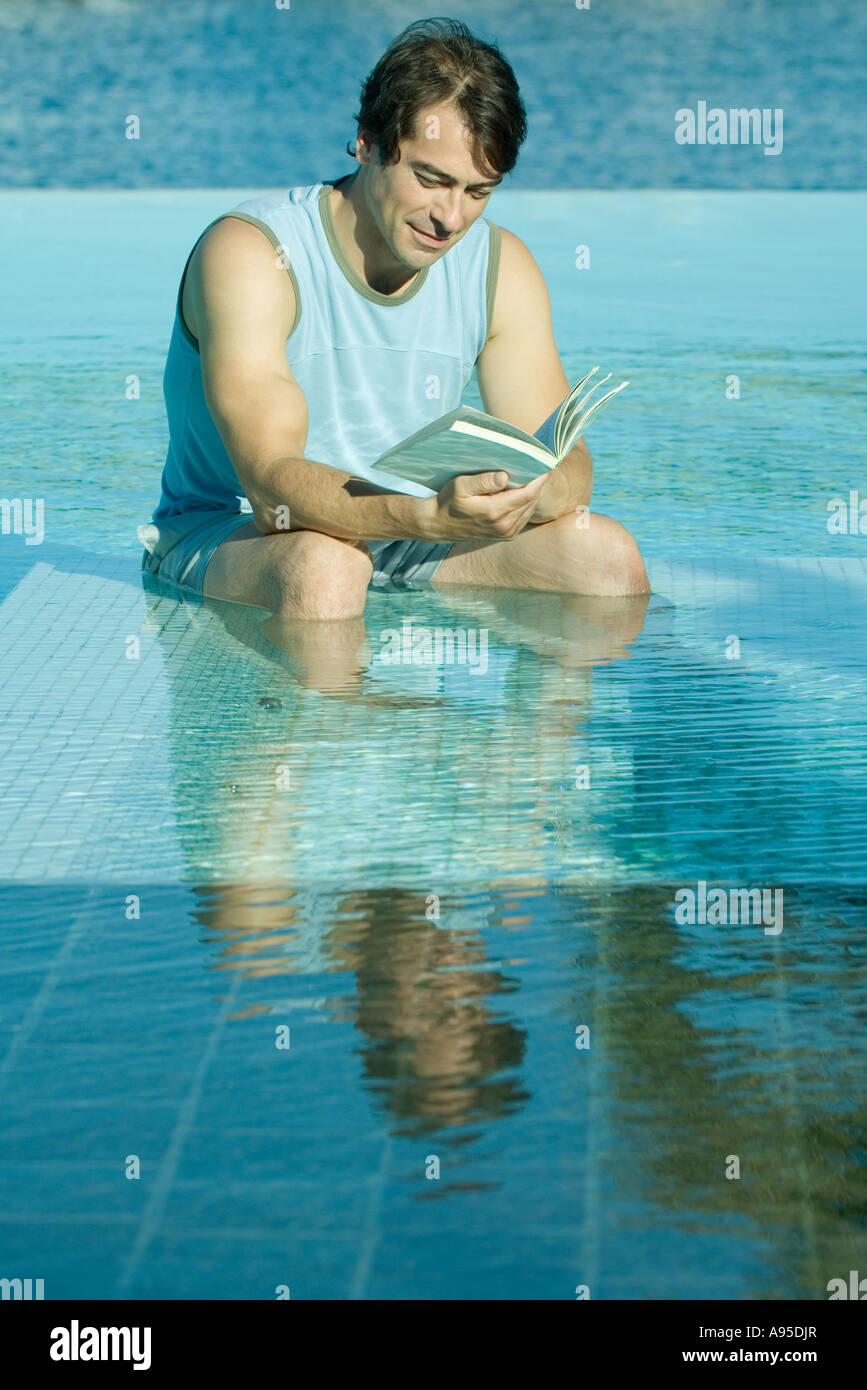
[429, 238]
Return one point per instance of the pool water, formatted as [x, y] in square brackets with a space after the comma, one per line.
[227, 92]
[377, 969]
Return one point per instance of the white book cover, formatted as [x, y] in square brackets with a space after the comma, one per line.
[468, 441]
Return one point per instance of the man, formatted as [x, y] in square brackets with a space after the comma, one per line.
[319, 327]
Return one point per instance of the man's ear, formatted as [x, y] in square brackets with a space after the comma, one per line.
[364, 148]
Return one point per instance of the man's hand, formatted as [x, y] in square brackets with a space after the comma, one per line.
[566, 487]
[553, 498]
[480, 506]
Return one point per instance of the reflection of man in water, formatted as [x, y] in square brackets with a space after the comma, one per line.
[428, 1006]
[220, 667]
[437, 1046]
[317, 328]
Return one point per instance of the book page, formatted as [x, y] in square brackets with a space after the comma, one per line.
[565, 413]
[578, 405]
[584, 418]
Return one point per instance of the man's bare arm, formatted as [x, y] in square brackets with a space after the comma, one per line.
[521, 377]
[240, 303]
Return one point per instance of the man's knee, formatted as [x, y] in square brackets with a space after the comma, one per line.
[597, 551]
[319, 576]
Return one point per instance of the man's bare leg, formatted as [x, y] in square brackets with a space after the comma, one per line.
[315, 585]
[577, 554]
[306, 574]
[301, 574]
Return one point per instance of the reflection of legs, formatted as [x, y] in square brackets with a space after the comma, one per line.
[569, 631]
[574, 629]
[599, 558]
[328, 656]
[315, 588]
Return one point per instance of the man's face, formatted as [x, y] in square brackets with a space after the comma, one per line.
[426, 202]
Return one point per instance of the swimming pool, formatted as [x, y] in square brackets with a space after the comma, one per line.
[429, 881]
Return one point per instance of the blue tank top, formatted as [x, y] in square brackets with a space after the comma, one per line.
[374, 368]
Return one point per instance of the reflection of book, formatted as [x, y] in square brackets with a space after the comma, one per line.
[469, 441]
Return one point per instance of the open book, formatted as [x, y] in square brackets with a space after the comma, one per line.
[469, 441]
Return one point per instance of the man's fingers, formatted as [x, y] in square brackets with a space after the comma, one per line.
[519, 500]
[489, 505]
[512, 523]
[526, 516]
[533, 487]
[528, 492]
[480, 484]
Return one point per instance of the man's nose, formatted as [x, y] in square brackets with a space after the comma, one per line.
[446, 212]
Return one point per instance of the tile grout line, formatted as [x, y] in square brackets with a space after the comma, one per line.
[371, 1236]
[42, 998]
[171, 1160]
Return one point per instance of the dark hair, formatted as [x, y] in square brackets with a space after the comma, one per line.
[435, 61]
